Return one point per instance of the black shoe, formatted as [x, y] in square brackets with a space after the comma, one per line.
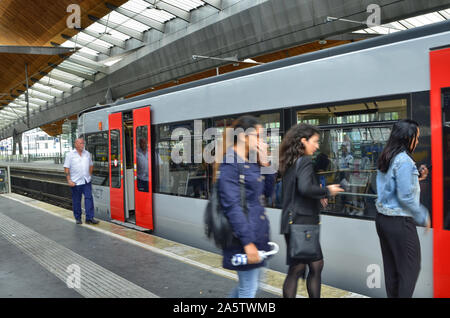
[92, 221]
[79, 221]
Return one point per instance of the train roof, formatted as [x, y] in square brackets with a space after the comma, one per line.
[406, 35]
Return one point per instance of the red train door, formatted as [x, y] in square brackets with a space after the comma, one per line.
[142, 168]
[116, 185]
[440, 157]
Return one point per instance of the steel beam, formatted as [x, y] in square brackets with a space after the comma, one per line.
[38, 50]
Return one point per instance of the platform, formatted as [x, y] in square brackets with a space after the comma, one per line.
[42, 248]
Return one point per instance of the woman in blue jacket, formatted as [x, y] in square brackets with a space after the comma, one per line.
[251, 230]
[399, 209]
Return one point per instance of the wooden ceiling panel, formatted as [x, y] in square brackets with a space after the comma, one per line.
[38, 23]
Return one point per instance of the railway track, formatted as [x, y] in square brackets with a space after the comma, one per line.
[46, 186]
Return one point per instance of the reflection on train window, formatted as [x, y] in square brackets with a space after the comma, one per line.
[142, 158]
[270, 122]
[354, 113]
[97, 145]
[189, 176]
[446, 150]
[348, 156]
[115, 159]
[272, 135]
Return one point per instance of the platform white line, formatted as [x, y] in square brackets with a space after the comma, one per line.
[94, 280]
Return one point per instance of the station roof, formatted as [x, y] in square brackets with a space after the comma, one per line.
[112, 30]
[84, 54]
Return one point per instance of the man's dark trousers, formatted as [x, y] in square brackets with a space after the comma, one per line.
[77, 191]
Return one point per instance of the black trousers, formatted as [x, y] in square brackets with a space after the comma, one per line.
[400, 247]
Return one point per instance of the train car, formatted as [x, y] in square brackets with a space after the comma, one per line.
[353, 93]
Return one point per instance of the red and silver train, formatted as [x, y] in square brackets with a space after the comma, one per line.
[353, 93]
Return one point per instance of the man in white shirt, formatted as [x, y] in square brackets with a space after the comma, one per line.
[78, 167]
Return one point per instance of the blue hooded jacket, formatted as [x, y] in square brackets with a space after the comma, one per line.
[253, 228]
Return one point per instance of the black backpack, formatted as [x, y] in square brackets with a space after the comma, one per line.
[217, 226]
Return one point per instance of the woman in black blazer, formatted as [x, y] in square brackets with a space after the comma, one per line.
[302, 197]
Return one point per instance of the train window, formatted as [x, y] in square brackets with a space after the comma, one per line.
[354, 113]
[97, 145]
[348, 157]
[272, 124]
[446, 151]
[142, 158]
[348, 153]
[115, 159]
[185, 177]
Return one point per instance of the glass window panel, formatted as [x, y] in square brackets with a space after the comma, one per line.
[115, 159]
[189, 177]
[158, 15]
[348, 154]
[97, 145]
[142, 158]
[348, 157]
[354, 113]
[445, 13]
[77, 67]
[118, 34]
[186, 5]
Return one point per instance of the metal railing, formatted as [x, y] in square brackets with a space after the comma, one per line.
[57, 159]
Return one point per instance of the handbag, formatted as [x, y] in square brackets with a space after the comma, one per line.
[304, 240]
[217, 225]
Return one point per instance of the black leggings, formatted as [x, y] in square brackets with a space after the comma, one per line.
[313, 282]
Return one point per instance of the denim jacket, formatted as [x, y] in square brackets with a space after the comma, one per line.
[399, 190]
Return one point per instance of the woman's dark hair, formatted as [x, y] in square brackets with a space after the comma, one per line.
[244, 122]
[291, 147]
[403, 135]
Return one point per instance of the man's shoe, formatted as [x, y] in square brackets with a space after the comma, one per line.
[92, 221]
[79, 221]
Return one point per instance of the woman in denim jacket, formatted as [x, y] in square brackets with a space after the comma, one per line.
[399, 209]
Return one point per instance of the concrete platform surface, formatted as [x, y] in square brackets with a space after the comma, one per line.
[45, 254]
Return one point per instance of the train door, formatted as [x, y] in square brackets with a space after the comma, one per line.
[116, 186]
[130, 167]
[440, 157]
[142, 168]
